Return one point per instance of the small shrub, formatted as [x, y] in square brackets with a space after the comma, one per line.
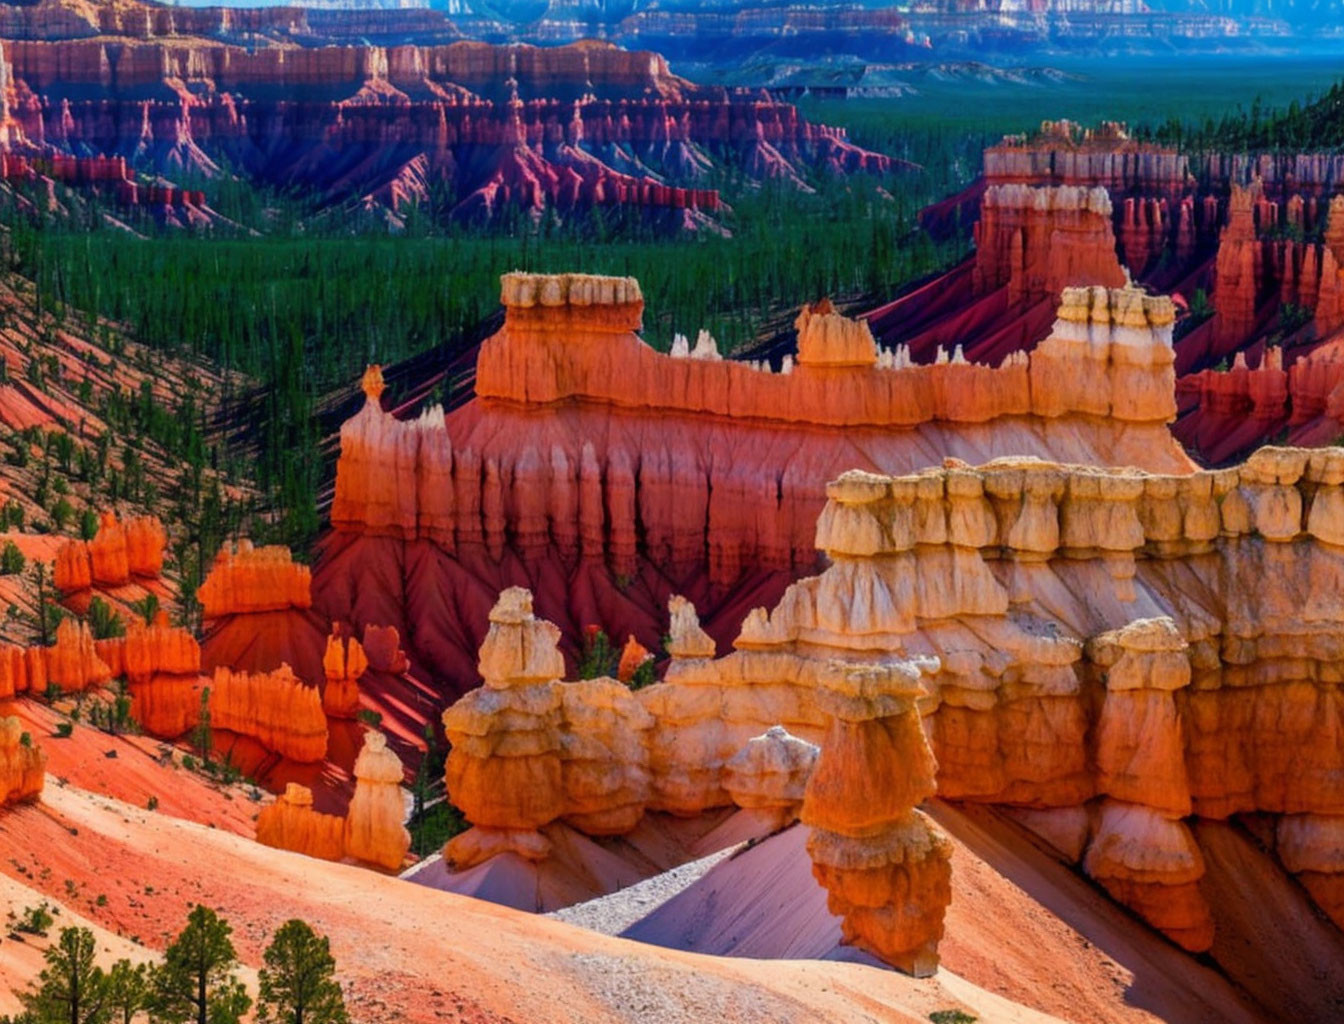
[373, 719]
[35, 920]
[152, 804]
[64, 729]
[952, 1017]
[11, 560]
[598, 657]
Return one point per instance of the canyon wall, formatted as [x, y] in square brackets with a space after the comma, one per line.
[709, 468]
[1111, 654]
[562, 128]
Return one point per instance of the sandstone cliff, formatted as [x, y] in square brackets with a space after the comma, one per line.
[1117, 654]
[707, 468]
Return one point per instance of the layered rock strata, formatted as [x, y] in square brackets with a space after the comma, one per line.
[1118, 652]
[291, 823]
[729, 496]
[245, 579]
[118, 552]
[276, 708]
[512, 769]
[344, 663]
[374, 832]
[885, 867]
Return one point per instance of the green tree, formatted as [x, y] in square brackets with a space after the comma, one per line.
[298, 984]
[127, 991]
[104, 623]
[88, 524]
[195, 982]
[11, 560]
[71, 989]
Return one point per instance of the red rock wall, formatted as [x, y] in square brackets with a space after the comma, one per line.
[275, 708]
[118, 552]
[1038, 241]
[244, 579]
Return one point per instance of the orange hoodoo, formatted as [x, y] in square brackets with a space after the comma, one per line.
[886, 868]
[291, 824]
[22, 763]
[73, 663]
[162, 664]
[275, 708]
[117, 553]
[343, 664]
[249, 579]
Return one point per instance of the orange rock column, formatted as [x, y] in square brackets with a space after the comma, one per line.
[291, 824]
[886, 868]
[1143, 853]
[343, 664]
[22, 763]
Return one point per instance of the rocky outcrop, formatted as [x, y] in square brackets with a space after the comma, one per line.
[511, 768]
[162, 665]
[72, 663]
[1112, 654]
[344, 663]
[706, 468]
[22, 763]
[771, 773]
[245, 579]
[1037, 241]
[275, 708]
[886, 869]
[374, 832]
[290, 823]
[1143, 852]
[553, 127]
[118, 552]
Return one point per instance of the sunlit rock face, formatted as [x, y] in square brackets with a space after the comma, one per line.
[605, 476]
[1111, 653]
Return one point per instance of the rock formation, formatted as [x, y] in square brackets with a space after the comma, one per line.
[770, 773]
[290, 823]
[72, 663]
[118, 552]
[1037, 241]
[312, 103]
[22, 763]
[162, 666]
[886, 869]
[373, 826]
[276, 708]
[1117, 653]
[344, 662]
[245, 579]
[1245, 245]
[511, 770]
[728, 497]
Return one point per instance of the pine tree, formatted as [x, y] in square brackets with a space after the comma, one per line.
[195, 981]
[71, 989]
[127, 991]
[298, 984]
